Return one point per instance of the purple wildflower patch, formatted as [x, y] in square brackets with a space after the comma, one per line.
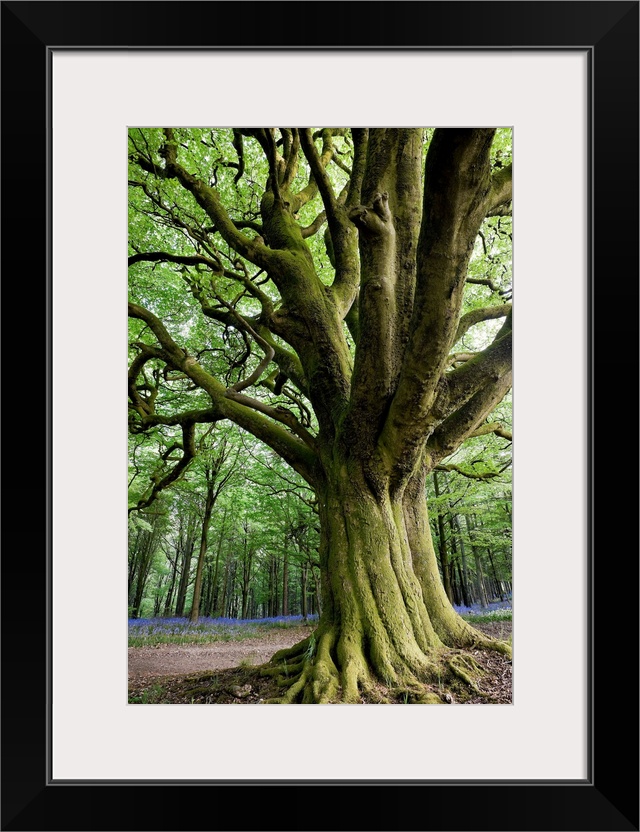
[205, 629]
[477, 609]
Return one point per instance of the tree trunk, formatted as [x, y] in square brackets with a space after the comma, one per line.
[134, 552]
[455, 527]
[303, 592]
[158, 595]
[464, 598]
[186, 543]
[285, 583]
[316, 598]
[386, 618]
[146, 551]
[480, 588]
[174, 574]
[247, 566]
[197, 587]
[495, 575]
[442, 547]
[216, 590]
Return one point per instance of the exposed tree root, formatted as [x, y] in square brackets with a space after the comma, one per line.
[465, 668]
[479, 641]
[324, 670]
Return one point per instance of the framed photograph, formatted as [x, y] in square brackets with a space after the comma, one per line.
[563, 77]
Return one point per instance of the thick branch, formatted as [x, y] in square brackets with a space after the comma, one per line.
[477, 315]
[206, 416]
[493, 427]
[311, 189]
[142, 406]
[500, 194]
[269, 352]
[457, 184]
[290, 448]
[189, 452]
[388, 225]
[461, 384]
[318, 169]
[279, 413]
[472, 475]
[272, 157]
[483, 281]
[463, 423]
[291, 160]
[360, 142]
[209, 201]
[239, 147]
[315, 226]
[167, 257]
[287, 361]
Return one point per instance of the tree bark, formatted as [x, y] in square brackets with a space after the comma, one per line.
[479, 576]
[206, 519]
[303, 592]
[187, 543]
[285, 583]
[174, 574]
[442, 546]
[386, 617]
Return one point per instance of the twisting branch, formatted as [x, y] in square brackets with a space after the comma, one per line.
[319, 170]
[457, 183]
[142, 406]
[291, 160]
[311, 189]
[360, 144]
[467, 419]
[269, 352]
[500, 193]
[474, 317]
[484, 281]
[272, 158]
[294, 451]
[279, 413]
[185, 260]
[338, 161]
[275, 383]
[458, 358]
[315, 226]
[188, 454]
[463, 382]
[239, 147]
[472, 475]
[209, 201]
[493, 427]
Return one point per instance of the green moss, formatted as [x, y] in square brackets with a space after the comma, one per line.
[198, 691]
[429, 698]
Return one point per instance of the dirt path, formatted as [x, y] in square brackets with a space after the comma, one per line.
[181, 660]
[174, 659]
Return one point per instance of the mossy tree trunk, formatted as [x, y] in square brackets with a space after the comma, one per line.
[399, 237]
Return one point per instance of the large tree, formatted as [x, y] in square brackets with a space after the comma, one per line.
[324, 276]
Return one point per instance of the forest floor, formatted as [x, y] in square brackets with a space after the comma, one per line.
[227, 672]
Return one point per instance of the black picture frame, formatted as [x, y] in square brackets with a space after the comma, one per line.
[608, 798]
